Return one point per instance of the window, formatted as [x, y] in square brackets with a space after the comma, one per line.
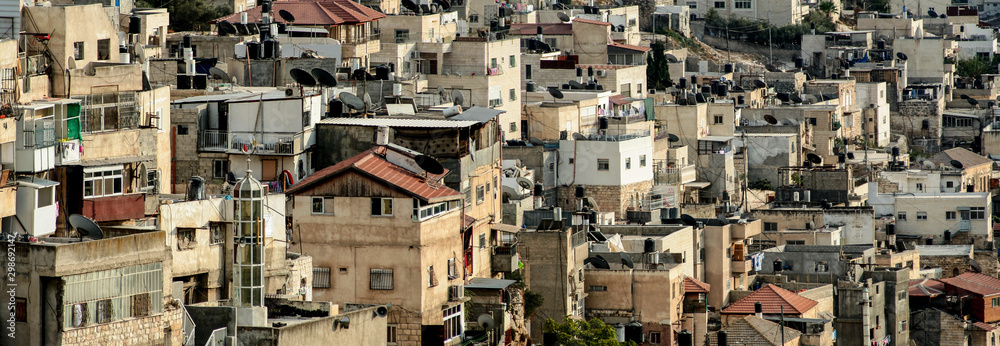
[112, 295]
[390, 334]
[527, 71]
[321, 278]
[152, 179]
[603, 164]
[822, 267]
[452, 268]
[720, 4]
[628, 163]
[220, 168]
[654, 338]
[949, 215]
[402, 35]
[186, 239]
[921, 215]
[642, 160]
[692, 4]
[949, 184]
[473, 18]
[513, 126]
[920, 187]
[102, 181]
[381, 206]
[20, 310]
[996, 302]
[493, 62]
[812, 121]
[182, 130]
[717, 118]
[513, 61]
[322, 205]
[104, 311]
[795, 242]
[380, 279]
[452, 322]
[572, 160]
[103, 49]
[218, 232]
[977, 213]
[598, 288]
[901, 295]
[46, 196]
[431, 278]
[771, 226]
[901, 216]
[480, 194]
[78, 50]
[902, 328]
[742, 4]
[482, 241]
[513, 97]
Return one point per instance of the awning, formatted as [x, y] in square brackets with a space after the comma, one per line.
[716, 138]
[35, 183]
[502, 227]
[117, 161]
[488, 284]
[697, 184]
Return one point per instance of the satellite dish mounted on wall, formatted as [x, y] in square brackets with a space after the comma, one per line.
[85, 227]
[324, 78]
[563, 17]
[457, 97]
[287, 16]
[486, 321]
[429, 164]
[813, 158]
[302, 77]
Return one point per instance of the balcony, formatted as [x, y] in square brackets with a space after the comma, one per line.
[744, 266]
[692, 306]
[35, 65]
[115, 208]
[470, 70]
[68, 152]
[268, 143]
[505, 258]
[37, 152]
[620, 137]
[673, 175]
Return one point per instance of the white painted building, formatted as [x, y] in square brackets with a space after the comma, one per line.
[936, 215]
[606, 160]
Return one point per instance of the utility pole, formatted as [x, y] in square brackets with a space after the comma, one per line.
[770, 43]
[729, 54]
[782, 331]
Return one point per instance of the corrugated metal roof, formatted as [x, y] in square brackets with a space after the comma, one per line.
[984, 285]
[478, 114]
[488, 283]
[399, 122]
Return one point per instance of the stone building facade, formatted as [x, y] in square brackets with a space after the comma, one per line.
[608, 197]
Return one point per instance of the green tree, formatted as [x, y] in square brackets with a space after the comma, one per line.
[188, 15]
[976, 67]
[828, 7]
[881, 6]
[657, 67]
[574, 332]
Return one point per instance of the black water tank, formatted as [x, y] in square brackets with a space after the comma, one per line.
[799, 62]
[633, 331]
[200, 82]
[603, 123]
[134, 26]
[740, 100]
[706, 89]
[778, 265]
[723, 338]
[895, 151]
[538, 190]
[531, 87]
[382, 72]
[184, 82]
[841, 158]
[649, 245]
[270, 49]
[579, 70]
[581, 191]
[253, 50]
[565, 86]
[196, 189]
[890, 229]
[880, 44]
[684, 337]
[758, 308]
[929, 241]
[723, 90]
[682, 83]
[187, 41]
[265, 7]
[590, 71]
[336, 108]
[727, 68]
[850, 156]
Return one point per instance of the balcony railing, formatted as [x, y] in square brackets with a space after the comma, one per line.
[695, 306]
[238, 142]
[470, 70]
[673, 175]
[363, 39]
[620, 137]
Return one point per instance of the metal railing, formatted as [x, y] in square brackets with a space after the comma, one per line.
[578, 238]
[694, 306]
[235, 141]
[470, 70]
[620, 137]
[363, 39]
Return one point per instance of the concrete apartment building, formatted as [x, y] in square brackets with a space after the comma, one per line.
[382, 192]
[613, 169]
[856, 224]
[791, 11]
[553, 267]
[728, 259]
[941, 218]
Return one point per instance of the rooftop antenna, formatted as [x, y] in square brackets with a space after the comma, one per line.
[351, 101]
[85, 227]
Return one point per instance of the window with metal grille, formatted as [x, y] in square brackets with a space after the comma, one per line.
[390, 334]
[452, 268]
[20, 310]
[108, 111]
[218, 232]
[431, 278]
[112, 295]
[104, 310]
[771, 226]
[603, 164]
[321, 278]
[186, 239]
[381, 279]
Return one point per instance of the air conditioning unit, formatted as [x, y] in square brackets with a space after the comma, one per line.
[602, 73]
[456, 292]
[293, 92]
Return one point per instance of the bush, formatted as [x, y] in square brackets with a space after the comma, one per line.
[763, 33]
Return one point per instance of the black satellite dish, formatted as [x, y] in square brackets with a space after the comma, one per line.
[957, 164]
[770, 119]
[964, 96]
[688, 220]
[816, 159]
[932, 14]
[445, 5]
[626, 260]
[457, 97]
[352, 101]
[671, 58]
[302, 77]
[759, 83]
[411, 6]
[324, 78]
[226, 28]
[287, 16]
[86, 227]
[429, 164]
[795, 98]
[901, 56]
[943, 16]
[972, 101]
[576, 85]
[562, 16]
[672, 138]
[783, 97]
[218, 73]
[556, 93]
[597, 262]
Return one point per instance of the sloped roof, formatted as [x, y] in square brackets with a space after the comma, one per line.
[984, 326]
[629, 47]
[967, 158]
[692, 285]
[772, 298]
[752, 330]
[976, 283]
[547, 28]
[926, 288]
[326, 12]
[373, 164]
[590, 21]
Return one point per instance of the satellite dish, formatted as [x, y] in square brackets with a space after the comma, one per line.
[525, 183]
[218, 73]
[759, 83]
[973, 102]
[700, 98]
[562, 16]
[688, 220]
[783, 97]
[809, 98]
[816, 159]
[722, 218]
[770, 119]
[486, 321]
[901, 56]
[351, 101]
[535, 141]
[597, 261]
[964, 96]
[672, 138]
[579, 136]
[241, 29]
[324, 78]
[671, 58]
[789, 122]
[795, 98]
[226, 28]
[409, 5]
[957, 164]
[932, 14]
[942, 16]
[626, 260]
[85, 227]
[302, 77]
[928, 164]
[445, 5]
[556, 93]
[287, 16]
[576, 85]
[457, 97]
[429, 164]
[368, 101]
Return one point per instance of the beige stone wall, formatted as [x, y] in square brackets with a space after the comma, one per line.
[609, 198]
[163, 329]
[590, 42]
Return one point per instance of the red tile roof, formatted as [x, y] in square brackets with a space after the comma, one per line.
[547, 29]
[373, 164]
[926, 288]
[976, 283]
[630, 47]
[772, 298]
[590, 21]
[984, 326]
[692, 285]
[326, 12]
